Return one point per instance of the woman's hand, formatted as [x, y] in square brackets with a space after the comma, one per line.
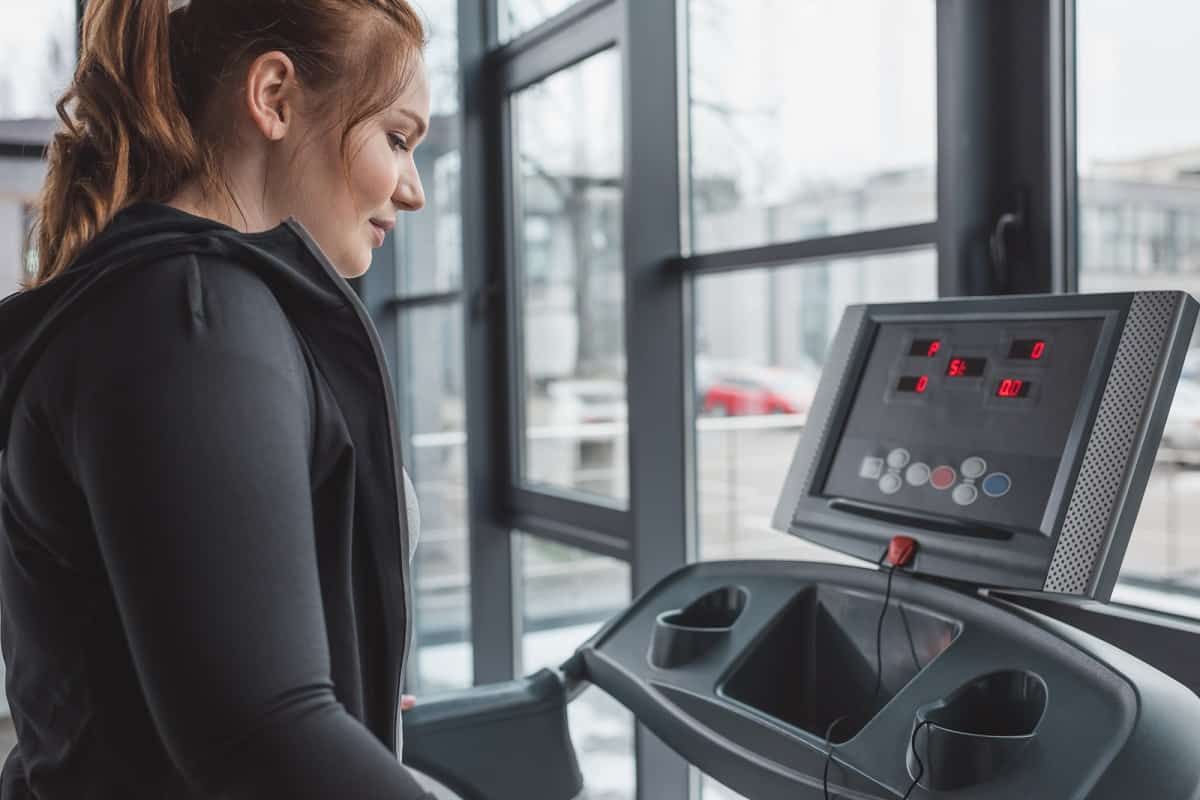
[407, 701]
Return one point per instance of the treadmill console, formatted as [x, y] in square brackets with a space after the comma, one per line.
[1012, 437]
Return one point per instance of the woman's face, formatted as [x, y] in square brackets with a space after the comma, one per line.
[349, 208]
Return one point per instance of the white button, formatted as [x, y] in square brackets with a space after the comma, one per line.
[871, 468]
[917, 474]
[964, 494]
[973, 467]
[899, 458]
[890, 483]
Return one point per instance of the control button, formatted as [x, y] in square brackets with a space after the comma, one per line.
[964, 494]
[871, 468]
[943, 477]
[997, 484]
[890, 483]
[917, 474]
[899, 458]
[974, 467]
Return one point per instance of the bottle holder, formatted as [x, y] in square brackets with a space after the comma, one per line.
[978, 731]
[682, 635]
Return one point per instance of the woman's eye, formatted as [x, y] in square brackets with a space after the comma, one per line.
[397, 141]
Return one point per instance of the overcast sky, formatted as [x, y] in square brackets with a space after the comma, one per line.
[1138, 64]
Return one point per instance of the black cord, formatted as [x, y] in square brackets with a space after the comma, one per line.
[829, 754]
[887, 596]
[916, 757]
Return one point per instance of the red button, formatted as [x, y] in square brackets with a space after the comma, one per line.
[943, 477]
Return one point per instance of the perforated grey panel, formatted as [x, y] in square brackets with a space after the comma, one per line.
[827, 423]
[1090, 514]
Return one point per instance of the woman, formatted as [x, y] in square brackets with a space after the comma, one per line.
[204, 572]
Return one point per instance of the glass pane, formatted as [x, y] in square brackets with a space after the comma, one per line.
[761, 340]
[710, 789]
[810, 118]
[1139, 228]
[429, 244]
[432, 415]
[38, 45]
[518, 16]
[569, 203]
[568, 594]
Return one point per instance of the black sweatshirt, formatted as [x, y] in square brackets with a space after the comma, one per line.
[203, 575]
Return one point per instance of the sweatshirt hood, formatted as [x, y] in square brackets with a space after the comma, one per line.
[138, 236]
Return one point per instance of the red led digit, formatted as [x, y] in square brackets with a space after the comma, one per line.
[934, 346]
[922, 384]
[1010, 387]
[958, 368]
[1039, 348]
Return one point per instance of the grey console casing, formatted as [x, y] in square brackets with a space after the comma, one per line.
[1123, 403]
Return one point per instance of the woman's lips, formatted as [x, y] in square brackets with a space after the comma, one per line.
[381, 229]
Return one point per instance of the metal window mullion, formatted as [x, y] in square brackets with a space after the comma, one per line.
[658, 337]
[994, 121]
[569, 17]
[564, 533]
[862, 243]
[1064, 167]
[495, 625]
[609, 524]
[401, 303]
[591, 34]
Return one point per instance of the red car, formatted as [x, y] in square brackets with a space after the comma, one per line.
[782, 392]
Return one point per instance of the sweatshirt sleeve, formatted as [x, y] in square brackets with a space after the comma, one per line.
[192, 433]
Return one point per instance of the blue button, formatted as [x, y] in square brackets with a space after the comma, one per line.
[997, 484]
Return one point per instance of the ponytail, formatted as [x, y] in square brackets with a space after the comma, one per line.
[125, 137]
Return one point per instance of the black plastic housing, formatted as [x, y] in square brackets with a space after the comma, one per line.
[503, 740]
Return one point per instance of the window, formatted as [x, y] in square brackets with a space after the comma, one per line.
[432, 414]
[1139, 228]
[431, 380]
[518, 16]
[429, 251]
[568, 199]
[761, 340]
[568, 594]
[38, 43]
[809, 118]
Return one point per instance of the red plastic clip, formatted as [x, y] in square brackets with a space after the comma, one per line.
[901, 550]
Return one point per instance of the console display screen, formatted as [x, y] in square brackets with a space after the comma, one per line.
[964, 419]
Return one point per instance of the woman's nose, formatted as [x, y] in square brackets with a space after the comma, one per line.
[410, 194]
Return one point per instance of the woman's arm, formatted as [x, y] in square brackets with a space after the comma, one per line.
[191, 443]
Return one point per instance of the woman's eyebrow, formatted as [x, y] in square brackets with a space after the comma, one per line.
[422, 126]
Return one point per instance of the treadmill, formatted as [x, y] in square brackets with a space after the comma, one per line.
[988, 456]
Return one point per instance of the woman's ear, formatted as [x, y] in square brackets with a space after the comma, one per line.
[271, 94]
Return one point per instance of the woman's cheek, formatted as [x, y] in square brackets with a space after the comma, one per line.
[376, 174]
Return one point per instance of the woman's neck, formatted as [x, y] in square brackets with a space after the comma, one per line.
[227, 206]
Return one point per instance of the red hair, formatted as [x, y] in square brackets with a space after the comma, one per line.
[141, 116]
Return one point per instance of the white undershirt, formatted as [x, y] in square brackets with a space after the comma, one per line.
[413, 510]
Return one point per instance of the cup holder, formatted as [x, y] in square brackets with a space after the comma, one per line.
[682, 635]
[979, 730]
